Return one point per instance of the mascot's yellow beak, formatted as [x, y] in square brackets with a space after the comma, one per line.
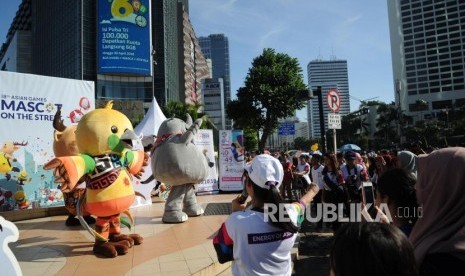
[128, 137]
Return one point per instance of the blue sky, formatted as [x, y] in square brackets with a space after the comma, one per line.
[356, 31]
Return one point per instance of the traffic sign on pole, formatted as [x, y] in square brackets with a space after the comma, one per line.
[333, 100]
[286, 128]
[334, 121]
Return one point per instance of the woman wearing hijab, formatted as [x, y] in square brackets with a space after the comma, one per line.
[438, 236]
[407, 160]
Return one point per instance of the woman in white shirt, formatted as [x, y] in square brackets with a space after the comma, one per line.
[259, 240]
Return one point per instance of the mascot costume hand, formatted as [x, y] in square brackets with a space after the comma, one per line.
[177, 162]
[104, 137]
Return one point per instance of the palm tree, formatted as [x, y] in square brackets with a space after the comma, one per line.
[386, 124]
[179, 110]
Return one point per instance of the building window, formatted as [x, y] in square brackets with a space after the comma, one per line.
[441, 104]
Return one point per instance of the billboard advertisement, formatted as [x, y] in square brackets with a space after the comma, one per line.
[28, 104]
[231, 160]
[123, 31]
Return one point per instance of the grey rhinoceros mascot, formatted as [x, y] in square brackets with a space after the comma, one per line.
[177, 162]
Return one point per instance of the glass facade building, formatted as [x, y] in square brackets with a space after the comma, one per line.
[216, 48]
[327, 74]
[428, 55]
[63, 43]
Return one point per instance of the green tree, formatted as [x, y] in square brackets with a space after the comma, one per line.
[387, 123]
[274, 89]
[350, 125]
[175, 109]
[179, 110]
[250, 139]
[301, 143]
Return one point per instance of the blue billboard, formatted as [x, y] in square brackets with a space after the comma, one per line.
[124, 37]
[286, 128]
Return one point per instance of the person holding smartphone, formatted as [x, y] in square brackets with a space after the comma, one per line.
[259, 240]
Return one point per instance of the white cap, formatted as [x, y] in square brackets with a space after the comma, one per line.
[264, 169]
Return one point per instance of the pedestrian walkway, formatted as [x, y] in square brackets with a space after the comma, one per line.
[47, 247]
[314, 250]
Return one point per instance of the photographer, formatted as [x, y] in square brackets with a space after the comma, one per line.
[353, 175]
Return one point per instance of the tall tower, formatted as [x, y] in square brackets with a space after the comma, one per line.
[428, 53]
[216, 48]
[327, 74]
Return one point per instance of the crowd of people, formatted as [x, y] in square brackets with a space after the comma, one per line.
[421, 231]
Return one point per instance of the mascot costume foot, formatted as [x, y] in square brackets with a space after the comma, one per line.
[177, 162]
[107, 163]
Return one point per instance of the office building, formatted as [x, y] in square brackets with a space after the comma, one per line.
[15, 53]
[327, 74]
[129, 60]
[213, 100]
[428, 55]
[216, 48]
[192, 63]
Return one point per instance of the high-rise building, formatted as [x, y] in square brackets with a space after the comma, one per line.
[213, 100]
[327, 74]
[216, 48]
[428, 55]
[15, 53]
[89, 41]
[192, 63]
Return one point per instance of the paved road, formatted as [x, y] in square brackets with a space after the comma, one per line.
[314, 248]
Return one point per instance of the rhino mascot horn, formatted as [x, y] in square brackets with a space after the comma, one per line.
[178, 162]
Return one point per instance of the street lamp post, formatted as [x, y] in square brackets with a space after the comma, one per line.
[153, 73]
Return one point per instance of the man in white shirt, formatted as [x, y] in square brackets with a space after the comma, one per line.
[353, 175]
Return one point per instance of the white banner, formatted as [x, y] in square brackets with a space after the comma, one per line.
[144, 190]
[204, 141]
[28, 104]
[231, 160]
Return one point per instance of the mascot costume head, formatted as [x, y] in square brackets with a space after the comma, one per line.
[107, 163]
[177, 162]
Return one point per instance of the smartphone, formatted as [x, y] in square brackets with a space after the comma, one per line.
[368, 195]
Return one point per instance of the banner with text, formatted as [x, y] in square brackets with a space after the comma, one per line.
[204, 141]
[124, 34]
[28, 104]
[231, 160]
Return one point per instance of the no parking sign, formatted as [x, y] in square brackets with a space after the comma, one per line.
[333, 100]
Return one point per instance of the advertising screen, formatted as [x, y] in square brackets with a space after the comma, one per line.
[123, 43]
